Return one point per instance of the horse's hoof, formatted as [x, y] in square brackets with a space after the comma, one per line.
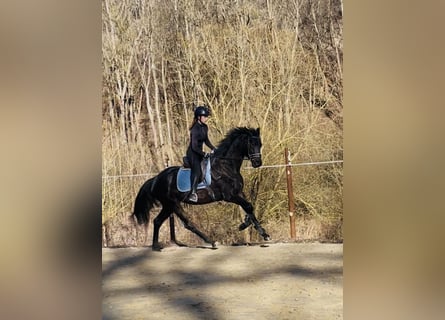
[267, 237]
[242, 226]
[214, 244]
[156, 248]
[180, 244]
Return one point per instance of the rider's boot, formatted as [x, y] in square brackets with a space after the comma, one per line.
[193, 197]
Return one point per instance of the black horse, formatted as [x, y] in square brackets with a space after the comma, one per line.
[226, 185]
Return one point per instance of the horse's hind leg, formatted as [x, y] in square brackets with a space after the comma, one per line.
[157, 223]
[190, 226]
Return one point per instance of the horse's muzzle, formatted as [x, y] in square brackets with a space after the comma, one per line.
[256, 162]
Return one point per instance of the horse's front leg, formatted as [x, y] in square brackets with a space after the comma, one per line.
[250, 216]
[247, 222]
[172, 233]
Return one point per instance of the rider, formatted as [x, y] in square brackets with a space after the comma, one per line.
[198, 136]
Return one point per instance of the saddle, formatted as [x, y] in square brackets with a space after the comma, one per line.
[183, 178]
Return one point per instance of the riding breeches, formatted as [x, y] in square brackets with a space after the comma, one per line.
[196, 172]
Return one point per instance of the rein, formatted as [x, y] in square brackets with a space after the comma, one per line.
[250, 156]
[225, 158]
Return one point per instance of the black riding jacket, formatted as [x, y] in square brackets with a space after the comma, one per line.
[199, 136]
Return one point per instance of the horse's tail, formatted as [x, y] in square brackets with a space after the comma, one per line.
[145, 201]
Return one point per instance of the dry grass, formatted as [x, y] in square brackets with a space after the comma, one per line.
[122, 231]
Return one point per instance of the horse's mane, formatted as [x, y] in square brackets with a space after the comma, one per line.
[233, 135]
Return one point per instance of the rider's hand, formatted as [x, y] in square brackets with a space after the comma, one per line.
[206, 155]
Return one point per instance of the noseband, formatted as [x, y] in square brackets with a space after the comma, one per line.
[253, 156]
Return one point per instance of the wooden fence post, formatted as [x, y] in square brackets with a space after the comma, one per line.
[290, 194]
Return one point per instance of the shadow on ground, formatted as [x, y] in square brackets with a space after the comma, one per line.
[140, 283]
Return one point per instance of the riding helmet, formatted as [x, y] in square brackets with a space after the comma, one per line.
[202, 111]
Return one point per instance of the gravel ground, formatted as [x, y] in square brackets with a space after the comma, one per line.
[273, 281]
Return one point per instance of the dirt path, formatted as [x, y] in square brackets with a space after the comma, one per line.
[277, 281]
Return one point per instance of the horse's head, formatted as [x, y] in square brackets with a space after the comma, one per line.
[239, 143]
[254, 148]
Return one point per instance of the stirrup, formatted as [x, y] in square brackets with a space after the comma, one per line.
[193, 197]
